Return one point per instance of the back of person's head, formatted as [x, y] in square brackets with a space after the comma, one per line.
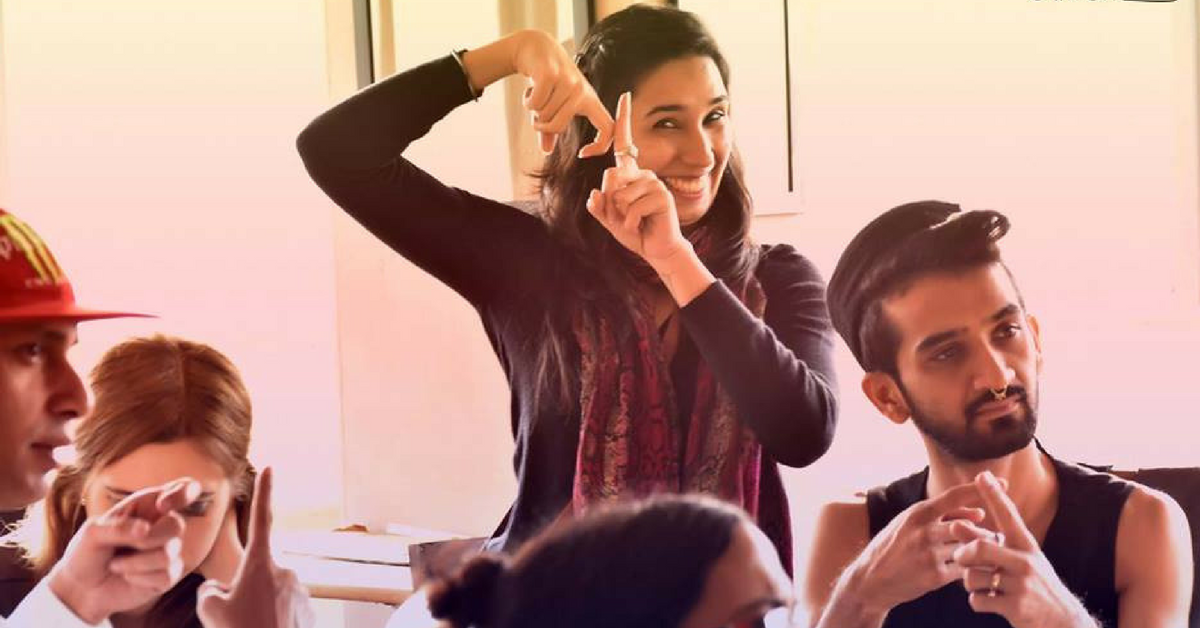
[639, 565]
[889, 254]
[154, 391]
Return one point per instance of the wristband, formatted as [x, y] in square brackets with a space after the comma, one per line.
[457, 54]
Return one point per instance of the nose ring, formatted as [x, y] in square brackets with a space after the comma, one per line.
[999, 394]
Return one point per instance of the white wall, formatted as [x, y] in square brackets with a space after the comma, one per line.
[151, 144]
[424, 402]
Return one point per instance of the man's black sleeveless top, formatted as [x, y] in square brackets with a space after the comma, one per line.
[1081, 544]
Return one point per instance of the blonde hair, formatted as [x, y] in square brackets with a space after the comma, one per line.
[150, 390]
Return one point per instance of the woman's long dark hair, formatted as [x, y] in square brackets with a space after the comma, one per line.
[615, 55]
[634, 565]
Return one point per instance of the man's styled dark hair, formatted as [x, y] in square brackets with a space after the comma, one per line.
[889, 254]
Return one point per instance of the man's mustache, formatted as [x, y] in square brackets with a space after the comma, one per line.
[1014, 391]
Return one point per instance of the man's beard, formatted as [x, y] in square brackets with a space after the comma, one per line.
[963, 441]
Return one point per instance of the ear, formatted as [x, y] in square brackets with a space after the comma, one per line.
[1035, 329]
[884, 393]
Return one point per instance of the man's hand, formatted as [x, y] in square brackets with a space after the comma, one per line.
[1013, 578]
[261, 595]
[908, 558]
[126, 557]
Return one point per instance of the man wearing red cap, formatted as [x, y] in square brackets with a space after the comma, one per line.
[131, 554]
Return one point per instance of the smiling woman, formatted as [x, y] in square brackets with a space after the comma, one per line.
[165, 408]
[651, 346]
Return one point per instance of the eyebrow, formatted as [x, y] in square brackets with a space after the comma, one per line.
[120, 492]
[940, 337]
[672, 108]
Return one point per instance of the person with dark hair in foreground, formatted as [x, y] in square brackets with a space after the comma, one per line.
[995, 531]
[667, 562]
[650, 345]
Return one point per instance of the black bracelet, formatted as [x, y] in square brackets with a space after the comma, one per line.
[457, 54]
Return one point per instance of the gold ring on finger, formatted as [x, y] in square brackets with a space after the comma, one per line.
[994, 589]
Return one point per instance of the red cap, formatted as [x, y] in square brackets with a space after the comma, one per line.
[32, 285]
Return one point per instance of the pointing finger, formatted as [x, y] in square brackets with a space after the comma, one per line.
[623, 134]
[1004, 511]
[259, 541]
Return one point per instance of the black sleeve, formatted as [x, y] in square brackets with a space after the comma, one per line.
[475, 245]
[778, 370]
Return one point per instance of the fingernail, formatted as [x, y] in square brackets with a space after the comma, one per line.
[174, 549]
[579, 155]
[141, 527]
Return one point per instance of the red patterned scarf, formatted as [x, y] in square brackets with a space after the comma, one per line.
[632, 442]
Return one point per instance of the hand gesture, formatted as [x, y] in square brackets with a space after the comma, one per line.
[913, 555]
[1012, 577]
[633, 204]
[558, 92]
[261, 595]
[126, 557]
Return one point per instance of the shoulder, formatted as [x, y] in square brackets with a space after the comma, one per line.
[775, 259]
[840, 535]
[1152, 527]
[1150, 512]
[790, 279]
[844, 518]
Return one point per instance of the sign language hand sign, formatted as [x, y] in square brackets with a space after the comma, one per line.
[633, 204]
[557, 93]
[1009, 575]
[262, 595]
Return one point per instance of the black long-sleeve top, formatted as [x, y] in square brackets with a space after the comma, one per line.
[777, 370]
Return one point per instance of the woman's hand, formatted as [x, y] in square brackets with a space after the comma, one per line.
[633, 204]
[261, 594]
[126, 557]
[558, 92]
